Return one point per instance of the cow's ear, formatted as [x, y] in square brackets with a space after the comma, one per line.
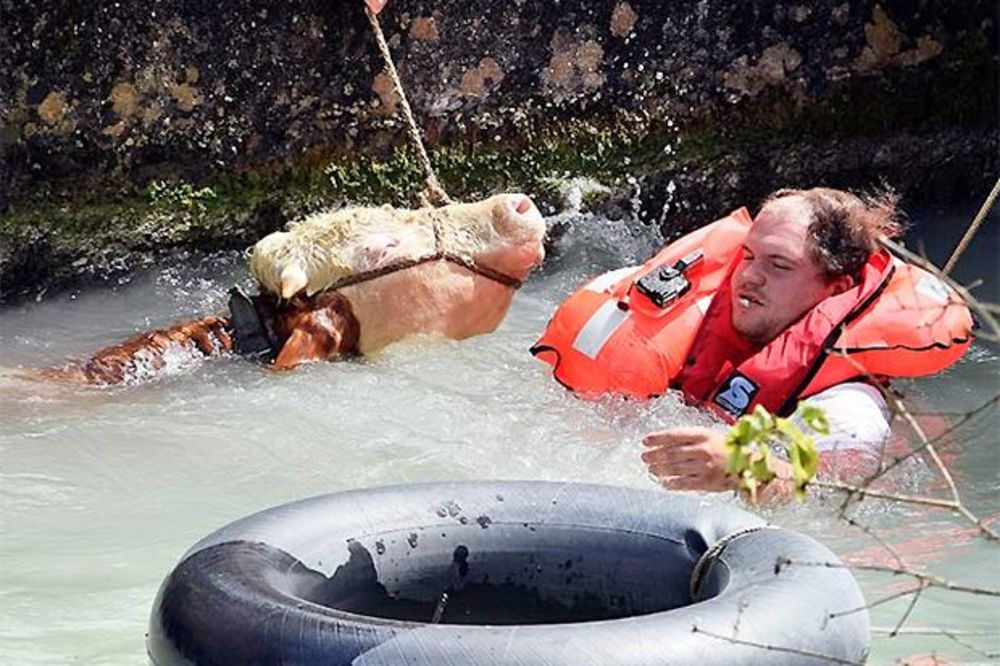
[325, 332]
[301, 347]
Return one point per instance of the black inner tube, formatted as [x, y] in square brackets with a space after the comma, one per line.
[501, 572]
[512, 574]
[550, 576]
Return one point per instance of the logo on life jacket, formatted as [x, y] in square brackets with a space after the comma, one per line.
[736, 394]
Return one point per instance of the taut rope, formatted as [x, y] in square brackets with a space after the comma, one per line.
[435, 192]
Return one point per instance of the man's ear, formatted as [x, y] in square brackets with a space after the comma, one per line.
[841, 284]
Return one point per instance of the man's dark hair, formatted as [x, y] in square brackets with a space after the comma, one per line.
[846, 228]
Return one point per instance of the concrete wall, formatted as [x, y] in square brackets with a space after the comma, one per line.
[192, 87]
[97, 98]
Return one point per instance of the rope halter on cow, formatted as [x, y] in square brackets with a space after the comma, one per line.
[439, 254]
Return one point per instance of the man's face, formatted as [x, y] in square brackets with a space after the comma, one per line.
[778, 280]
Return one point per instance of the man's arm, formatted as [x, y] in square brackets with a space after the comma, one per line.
[858, 415]
[694, 458]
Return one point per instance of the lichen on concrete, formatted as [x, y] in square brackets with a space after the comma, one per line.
[267, 105]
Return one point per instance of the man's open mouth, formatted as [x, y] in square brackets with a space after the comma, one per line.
[746, 300]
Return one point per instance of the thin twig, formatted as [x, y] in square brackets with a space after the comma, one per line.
[776, 648]
[862, 492]
[955, 504]
[909, 609]
[955, 635]
[973, 228]
[966, 417]
[931, 450]
[929, 580]
[850, 520]
[877, 602]
[932, 631]
[988, 319]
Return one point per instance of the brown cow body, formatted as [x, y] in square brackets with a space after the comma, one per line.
[146, 355]
[445, 293]
[305, 329]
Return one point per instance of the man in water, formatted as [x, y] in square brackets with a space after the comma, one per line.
[804, 247]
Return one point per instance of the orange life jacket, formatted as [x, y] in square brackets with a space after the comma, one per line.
[612, 336]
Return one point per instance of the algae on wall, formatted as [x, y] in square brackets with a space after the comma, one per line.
[707, 103]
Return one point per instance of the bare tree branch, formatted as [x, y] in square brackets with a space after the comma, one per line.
[932, 631]
[878, 602]
[776, 648]
[861, 492]
[871, 533]
[973, 228]
[928, 580]
[989, 321]
[966, 417]
[956, 635]
[909, 609]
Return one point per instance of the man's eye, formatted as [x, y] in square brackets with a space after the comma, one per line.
[782, 267]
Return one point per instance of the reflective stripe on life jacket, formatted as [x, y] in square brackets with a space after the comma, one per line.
[609, 337]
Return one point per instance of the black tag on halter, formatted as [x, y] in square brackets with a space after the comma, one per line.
[250, 338]
[666, 284]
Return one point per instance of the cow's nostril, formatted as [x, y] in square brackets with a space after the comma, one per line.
[521, 204]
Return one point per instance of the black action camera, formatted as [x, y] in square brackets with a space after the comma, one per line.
[668, 283]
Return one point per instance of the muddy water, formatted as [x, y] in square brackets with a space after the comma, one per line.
[101, 490]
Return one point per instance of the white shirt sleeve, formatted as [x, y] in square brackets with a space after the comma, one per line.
[858, 415]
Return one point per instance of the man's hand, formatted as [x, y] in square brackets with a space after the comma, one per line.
[375, 5]
[694, 458]
[688, 459]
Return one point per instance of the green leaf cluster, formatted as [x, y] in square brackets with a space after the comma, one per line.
[750, 440]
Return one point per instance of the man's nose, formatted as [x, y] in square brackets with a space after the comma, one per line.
[751, 275]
